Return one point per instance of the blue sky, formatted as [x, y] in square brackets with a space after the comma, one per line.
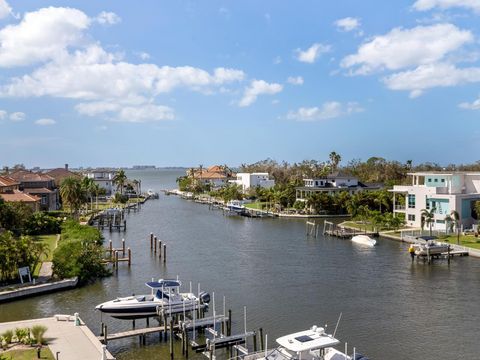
[182, 83]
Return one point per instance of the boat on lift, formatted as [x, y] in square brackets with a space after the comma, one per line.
[311, 344]
[430, 247]
[364, 240]
[165, 296]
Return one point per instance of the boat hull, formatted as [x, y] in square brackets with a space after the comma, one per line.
[364, 240]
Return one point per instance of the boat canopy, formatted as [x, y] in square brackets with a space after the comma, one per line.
[427, 238]
[163, 283]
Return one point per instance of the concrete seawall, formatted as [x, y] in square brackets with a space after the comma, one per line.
[39, 289]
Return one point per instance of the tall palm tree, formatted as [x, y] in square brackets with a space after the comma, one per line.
[334, 160]
[88, 186]
[428, 218]
[72, 194]
[120, 180]
[456, 221]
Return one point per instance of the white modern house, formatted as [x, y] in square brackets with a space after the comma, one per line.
[104, 179]
[441, 191]
[252, 180]
[331, 184]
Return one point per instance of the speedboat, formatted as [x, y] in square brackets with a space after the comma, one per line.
[165, 296]
[431, 247]
[312, 344]
[364, 240]
[235, 206]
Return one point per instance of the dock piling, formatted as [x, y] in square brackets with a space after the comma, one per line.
[164, 253]
[151, 241]
[155, 244]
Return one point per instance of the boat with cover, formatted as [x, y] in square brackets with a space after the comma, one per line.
[430, 247]
[312, 344]
[364, 240]
[165, 295]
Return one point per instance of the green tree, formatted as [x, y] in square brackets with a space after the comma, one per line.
[334, 160]
[428, 218]
[73, 194]
[120, 179]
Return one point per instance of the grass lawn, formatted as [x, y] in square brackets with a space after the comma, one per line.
[28, 354]
[256, 205]
[468, 241]
[359, 226]
[51, 241]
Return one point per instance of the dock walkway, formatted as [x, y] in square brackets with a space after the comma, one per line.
[70, 341]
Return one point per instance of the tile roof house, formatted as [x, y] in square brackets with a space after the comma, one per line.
[59, 174]
[9, 192]
[215, 175]
[39, 185]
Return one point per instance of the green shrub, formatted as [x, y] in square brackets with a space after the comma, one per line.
[40, 224]
[38, 332]
[23, 335]
[7, 336]
[72, 230]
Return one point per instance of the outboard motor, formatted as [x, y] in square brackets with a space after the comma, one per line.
[360, 357]
[205, 298]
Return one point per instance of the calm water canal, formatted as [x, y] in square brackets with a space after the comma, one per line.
[392, 309]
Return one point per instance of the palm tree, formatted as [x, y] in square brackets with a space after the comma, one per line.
[428, 218]
[334, 160]
[120, 179]
[88, 186]
[382, 198]
[72, 194]
[455, 216]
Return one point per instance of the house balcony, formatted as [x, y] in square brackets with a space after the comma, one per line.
[399, 208]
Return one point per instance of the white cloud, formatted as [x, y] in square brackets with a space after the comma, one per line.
[295, 80]
[45, 122]
[328, 110]
[41, 36]
[108, 18]
[256, 88]
[402, 48]
[429, 76]
[424, 5]
[143, 55]
[127, 113]
[312, 53]
[277, 60]
[347, 24]
[17, 116]
[475, 105]
[72, 64]
[3, 114]
[5, 9]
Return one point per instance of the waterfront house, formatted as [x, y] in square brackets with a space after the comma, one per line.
[59, 174]
[215, 176]
[332, 184]
[253, 180]
[441, 191]
[9, 192]
[38, 185]
[104, 179]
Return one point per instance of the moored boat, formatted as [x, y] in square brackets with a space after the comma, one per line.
[430, 247]
[165, 295]
[311, 344]
[364, 240]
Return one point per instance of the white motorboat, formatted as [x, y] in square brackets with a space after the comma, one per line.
[430, 247]
[165, 295]
[235, 206]
[364, 240]
[312, 344]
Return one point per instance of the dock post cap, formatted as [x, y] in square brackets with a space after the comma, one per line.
[104, 352]
[77, 319]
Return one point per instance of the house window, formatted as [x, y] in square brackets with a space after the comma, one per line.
[411, 217]
[436, 180]
[44, 199]
[443, 180]
[429, 180]
[411, 201]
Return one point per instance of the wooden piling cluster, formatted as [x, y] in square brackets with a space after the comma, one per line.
[113, 254]
[153, 247]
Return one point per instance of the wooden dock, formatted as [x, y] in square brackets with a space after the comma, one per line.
[134, 332]
[331, 229]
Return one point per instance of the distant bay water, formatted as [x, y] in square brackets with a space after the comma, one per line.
[392, 308]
